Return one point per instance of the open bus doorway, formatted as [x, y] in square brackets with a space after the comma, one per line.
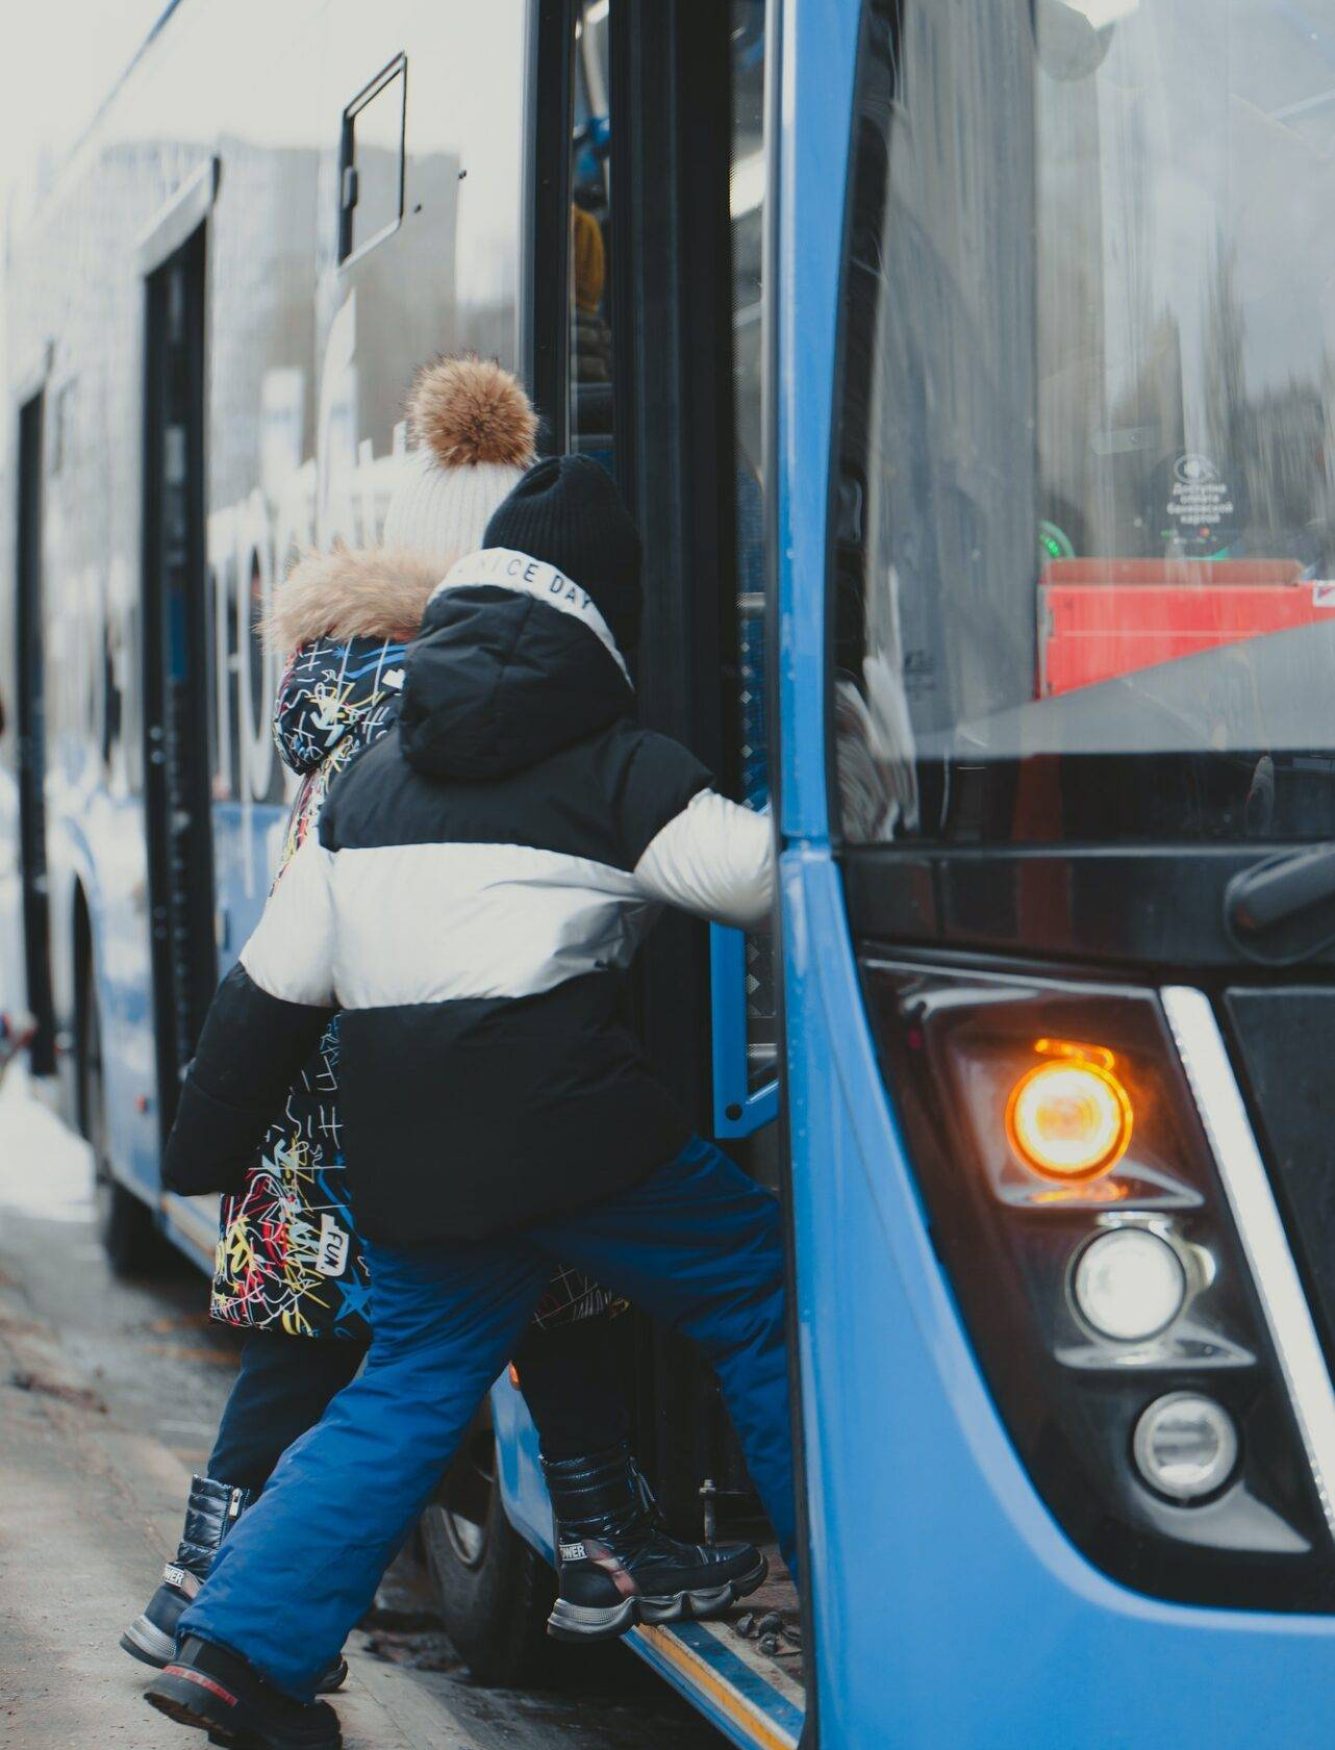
[176, 793]
[30, 699]
[646, 354]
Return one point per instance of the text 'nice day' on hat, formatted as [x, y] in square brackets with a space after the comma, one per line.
[474, 429]
[567, 511]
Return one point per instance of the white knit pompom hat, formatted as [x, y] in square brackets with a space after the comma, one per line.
[474, 429]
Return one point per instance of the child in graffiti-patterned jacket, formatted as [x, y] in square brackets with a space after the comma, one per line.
[290, 1270]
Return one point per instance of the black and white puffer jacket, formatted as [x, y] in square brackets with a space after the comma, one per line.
[481, 881]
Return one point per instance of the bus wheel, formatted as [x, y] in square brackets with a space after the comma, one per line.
[494, 1592]
[125, 1225]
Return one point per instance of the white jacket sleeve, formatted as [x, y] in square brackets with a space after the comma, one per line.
[290, 953]
[714, 859]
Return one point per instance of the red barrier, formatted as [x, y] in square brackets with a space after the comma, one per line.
[1100, 618]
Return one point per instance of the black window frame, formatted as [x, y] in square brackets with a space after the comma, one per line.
[544, 317]
[31, 474]
[347, 162]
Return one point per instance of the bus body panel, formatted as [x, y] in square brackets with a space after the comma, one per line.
[98, 865]
[988, 1627]
[949, 1608]
[519, 1467]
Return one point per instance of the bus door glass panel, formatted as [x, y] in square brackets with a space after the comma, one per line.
[176, 689]
[589, 374]
[30, 703]
[742, 966]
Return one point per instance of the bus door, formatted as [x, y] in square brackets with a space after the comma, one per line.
[657, 372]
[641, 339]
[30, 700]
[175, 663]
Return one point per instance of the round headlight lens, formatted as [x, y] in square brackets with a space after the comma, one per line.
[1129, 1284]
[1069, 1120]
[1185, 1446]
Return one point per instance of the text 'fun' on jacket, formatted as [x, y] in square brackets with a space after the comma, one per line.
[481, 880]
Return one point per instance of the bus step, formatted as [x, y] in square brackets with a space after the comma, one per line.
[742, 1670]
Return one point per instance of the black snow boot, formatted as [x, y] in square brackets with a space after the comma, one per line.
[618, 1566]
[210, 1513]
[220, 1693]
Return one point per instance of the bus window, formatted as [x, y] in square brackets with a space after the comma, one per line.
[590, 355]
[1086, 503]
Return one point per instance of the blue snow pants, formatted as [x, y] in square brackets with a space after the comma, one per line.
[697, 1245]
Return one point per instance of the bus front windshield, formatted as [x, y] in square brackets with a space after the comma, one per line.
[1083, 539]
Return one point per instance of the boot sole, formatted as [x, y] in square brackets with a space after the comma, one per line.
[147, 1643]
[595, 1622]
[191, 1701]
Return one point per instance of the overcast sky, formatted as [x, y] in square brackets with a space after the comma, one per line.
[61, 58]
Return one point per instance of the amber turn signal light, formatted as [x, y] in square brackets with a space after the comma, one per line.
[1070, 1118]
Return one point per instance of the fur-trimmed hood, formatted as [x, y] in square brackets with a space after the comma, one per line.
[342, 619]
[368, 592]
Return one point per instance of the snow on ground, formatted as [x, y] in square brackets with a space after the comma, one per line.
[45, 1169]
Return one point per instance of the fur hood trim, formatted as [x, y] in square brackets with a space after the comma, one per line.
[368, 592]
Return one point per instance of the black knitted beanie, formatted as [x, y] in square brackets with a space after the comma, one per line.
[567, 511]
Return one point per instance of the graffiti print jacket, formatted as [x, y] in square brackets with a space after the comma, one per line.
[288, 1255]
[477, 889]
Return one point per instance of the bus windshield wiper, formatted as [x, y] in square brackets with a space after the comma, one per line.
[1296, 889]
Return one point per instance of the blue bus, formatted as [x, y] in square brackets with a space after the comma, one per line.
[968, 365]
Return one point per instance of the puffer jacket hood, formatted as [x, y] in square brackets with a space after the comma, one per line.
[343, 618]
[513, 663]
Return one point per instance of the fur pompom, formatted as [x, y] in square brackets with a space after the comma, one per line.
[373, 592]
[469, 410]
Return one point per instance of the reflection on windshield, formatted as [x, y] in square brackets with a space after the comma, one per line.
[1086, 471]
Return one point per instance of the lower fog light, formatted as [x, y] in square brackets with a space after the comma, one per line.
[1129, 1284]
[1185, 1446]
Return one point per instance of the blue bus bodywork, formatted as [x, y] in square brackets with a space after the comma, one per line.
[949, 1608]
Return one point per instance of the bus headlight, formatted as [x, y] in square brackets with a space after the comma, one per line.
[1129, 1285]
[1078, 1212]
[1185, 1446]
[1070, 1118]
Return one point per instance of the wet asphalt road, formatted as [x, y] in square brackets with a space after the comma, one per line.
[159, 1370]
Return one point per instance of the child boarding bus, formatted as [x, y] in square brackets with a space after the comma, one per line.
[970, 367]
